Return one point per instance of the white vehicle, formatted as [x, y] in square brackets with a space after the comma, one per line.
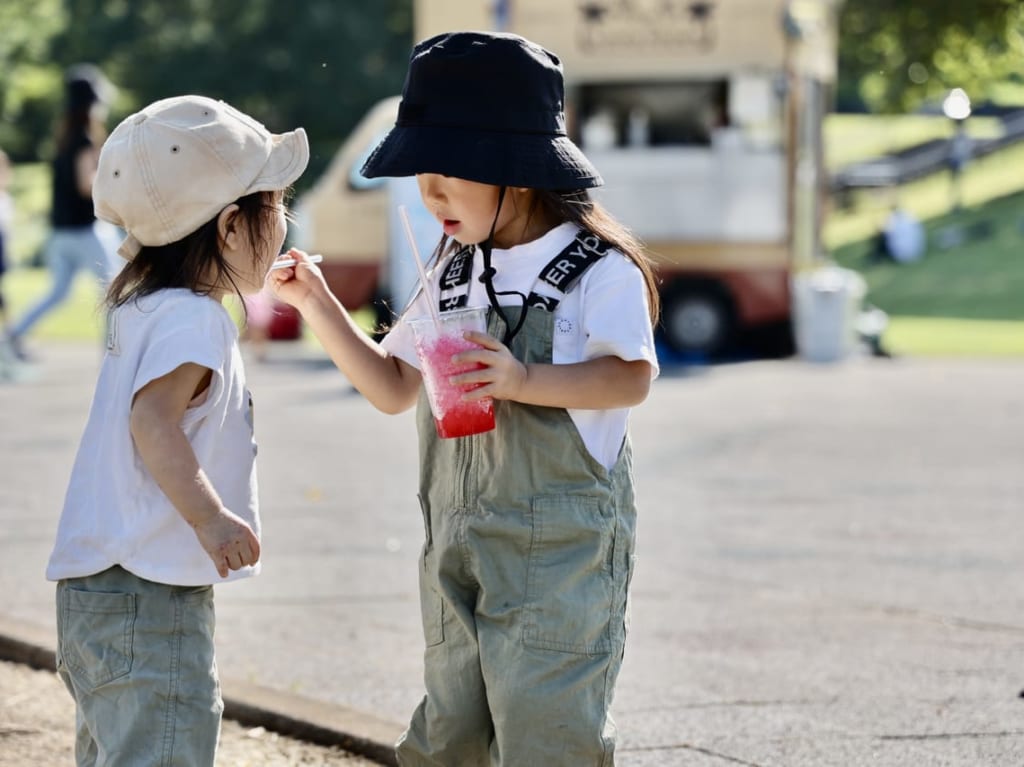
[704, 119]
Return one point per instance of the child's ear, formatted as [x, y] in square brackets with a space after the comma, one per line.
[521, 195]
[227, 228]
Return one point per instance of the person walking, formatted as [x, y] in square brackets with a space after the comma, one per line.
[530, 527]
[73, 243]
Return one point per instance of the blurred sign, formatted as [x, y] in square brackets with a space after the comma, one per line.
[626, 39]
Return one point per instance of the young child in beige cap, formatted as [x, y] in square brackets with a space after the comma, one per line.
[162, 497]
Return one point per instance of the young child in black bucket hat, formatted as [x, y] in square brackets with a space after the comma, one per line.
[530, 527]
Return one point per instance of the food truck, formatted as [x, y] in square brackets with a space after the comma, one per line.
[705, 120]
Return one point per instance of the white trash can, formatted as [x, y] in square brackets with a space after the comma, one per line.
[826, 304]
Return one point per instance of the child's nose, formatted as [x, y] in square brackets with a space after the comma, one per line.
[430, 188]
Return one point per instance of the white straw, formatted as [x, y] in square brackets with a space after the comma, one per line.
[419, 265]
[284, 263]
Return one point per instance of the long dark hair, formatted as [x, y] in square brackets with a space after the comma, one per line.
[578, 207]
[196, 261]
[77, 121]
[581, 209]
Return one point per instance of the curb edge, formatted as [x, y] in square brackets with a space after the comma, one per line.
[324, 724]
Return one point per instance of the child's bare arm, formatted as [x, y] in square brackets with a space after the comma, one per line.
[390, 384]
[597, 384]
[387, 382]
[155, 422]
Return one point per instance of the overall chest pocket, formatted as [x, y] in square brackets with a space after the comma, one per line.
[570, 589]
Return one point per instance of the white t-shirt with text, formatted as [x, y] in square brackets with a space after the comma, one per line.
[605, 314]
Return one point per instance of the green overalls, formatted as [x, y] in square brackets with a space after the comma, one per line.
[523, 584]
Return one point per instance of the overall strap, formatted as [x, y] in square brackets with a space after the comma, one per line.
[564, 270]
[562, 273]
[454, 285]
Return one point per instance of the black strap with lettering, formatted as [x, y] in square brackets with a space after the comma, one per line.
[456, 275]
[561, 273]
[564, 270]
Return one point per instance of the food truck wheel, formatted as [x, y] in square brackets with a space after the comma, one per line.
[698, 320]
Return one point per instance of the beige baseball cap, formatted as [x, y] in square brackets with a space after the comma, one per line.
[168, 169]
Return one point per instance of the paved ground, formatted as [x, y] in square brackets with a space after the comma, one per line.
[37, 723]
[829, 567]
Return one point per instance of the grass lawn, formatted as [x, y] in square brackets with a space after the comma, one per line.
[30, 189]
[966, 300]
[986, 179]
[959, 301]
[949, 337]
[850, 138]
[981, 279]
[78, 318]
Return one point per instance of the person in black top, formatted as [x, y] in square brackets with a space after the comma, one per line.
[74, 243]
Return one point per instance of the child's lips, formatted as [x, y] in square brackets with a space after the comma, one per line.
[450, 226]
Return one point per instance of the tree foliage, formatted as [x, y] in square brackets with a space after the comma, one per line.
[322, 63]
[319, 64]
[894, 55]
[29, 83]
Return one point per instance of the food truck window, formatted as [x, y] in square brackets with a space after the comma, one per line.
[656, 113]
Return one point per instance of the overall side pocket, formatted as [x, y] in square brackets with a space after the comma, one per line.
[570, 591]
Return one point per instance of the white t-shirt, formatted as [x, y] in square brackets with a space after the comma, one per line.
[606, 314]
[114, 512]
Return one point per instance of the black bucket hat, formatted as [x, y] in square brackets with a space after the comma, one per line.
[486, 107]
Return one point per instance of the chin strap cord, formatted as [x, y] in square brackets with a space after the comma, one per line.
[487, 278]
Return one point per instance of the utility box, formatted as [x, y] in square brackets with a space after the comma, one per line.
[826, 305]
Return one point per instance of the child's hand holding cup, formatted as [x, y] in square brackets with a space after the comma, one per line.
[437, 341]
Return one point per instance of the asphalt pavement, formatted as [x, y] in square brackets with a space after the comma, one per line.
[828, 559]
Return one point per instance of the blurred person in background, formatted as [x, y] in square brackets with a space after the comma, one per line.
[74, 243]
[901, 238]
[904, 236]
[6, 219]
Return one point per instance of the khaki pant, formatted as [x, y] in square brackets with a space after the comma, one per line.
[138, 659]
[523, 584]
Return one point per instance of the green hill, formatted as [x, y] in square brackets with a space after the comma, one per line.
[973, 268]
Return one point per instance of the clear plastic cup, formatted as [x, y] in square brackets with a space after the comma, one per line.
[436, 344]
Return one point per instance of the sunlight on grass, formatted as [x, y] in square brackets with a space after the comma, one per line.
[850, 138]
[79, 318]
[30, 190]
[985, 179]
[981, 278]
[945, 337]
